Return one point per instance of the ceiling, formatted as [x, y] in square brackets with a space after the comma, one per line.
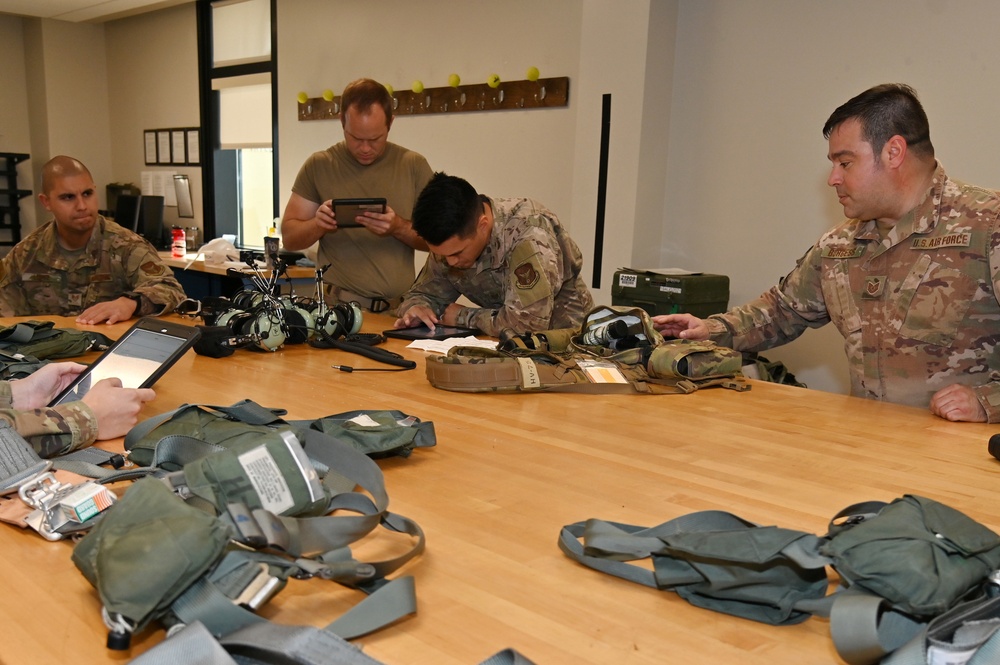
[92, 11]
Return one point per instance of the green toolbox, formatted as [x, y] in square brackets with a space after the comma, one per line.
[665, 291]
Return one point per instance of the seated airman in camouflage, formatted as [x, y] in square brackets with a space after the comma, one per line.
[511, 257]
[81, 264]
[910, 279]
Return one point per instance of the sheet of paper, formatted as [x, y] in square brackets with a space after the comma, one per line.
[443, 345]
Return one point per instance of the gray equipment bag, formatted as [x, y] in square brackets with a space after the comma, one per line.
[900, 565]
[250, 510]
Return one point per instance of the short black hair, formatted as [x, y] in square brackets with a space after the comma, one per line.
[448, 206]
[885, 111]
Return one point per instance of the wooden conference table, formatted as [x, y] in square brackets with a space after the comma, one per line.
[508, 472]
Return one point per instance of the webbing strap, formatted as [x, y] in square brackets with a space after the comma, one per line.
[205, 602]
[864, 631]
[23, 332]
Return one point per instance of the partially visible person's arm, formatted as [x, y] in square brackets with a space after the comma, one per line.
[305, 222]
[429, 296]
[106, 412]
[13, 299]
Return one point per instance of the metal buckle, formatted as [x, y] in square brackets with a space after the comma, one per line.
[58, 504]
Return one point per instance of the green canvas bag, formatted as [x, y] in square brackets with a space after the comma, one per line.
[286, 502]
[900, 565]
[43, 341]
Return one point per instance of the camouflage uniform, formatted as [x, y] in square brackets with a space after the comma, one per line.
[527, 277]
[38, 276]
[51, 431]
[918, 309]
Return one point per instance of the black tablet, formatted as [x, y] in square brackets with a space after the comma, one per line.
[346, 210]
[423, 332]
[138, 358]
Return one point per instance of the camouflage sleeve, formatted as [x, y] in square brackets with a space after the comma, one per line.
[988, 394]
[780, 314]
[432, 288]
[153, 280]
[51, 431]
[534, 266]
[13, 299]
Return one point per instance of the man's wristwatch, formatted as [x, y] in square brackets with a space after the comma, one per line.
[137, 299]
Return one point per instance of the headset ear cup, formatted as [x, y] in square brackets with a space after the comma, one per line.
[296, 328]
[328, 323]
[268, 325]
[353, 319]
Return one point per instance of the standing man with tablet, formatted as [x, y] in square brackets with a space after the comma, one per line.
[371, 264]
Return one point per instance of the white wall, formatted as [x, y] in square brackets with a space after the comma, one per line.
[153, 82]
[754, 82]
[326, 44]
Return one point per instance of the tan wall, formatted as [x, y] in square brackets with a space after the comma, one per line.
[716, 164]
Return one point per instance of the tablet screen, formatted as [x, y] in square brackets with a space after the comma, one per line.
[347, 210]
[138, 358]
[423, 332]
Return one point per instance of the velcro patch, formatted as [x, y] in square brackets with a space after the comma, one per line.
[950, 240]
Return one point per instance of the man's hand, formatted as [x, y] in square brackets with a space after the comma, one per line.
[958, 403]
[110, 311]
[683, 326]
[416, 315]
[41, 387]
[325, 219]
[117, 409]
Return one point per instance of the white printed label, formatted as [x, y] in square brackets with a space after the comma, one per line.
[267, 480]
[938, 656]
[628, 280]
[671, 289]
[364, 420]
[529, 373]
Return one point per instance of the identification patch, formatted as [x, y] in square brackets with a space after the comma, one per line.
[950, 240]
[267, 481]
[851, 252]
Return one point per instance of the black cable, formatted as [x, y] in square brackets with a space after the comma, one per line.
[349, 369]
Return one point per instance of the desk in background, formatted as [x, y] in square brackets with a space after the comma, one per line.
[508, 472]
[201, 280]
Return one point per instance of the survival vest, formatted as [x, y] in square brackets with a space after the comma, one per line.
[236, 501]
[900, 565]
[616, 350]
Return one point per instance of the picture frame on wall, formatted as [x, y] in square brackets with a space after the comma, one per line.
[175, 146]
[163, 147]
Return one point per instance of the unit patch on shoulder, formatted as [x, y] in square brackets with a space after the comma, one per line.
[525, 275]
[151, 268]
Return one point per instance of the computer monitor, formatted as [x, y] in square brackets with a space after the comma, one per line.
[143, 215]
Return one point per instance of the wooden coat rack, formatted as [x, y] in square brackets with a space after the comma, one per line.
[509, 95]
